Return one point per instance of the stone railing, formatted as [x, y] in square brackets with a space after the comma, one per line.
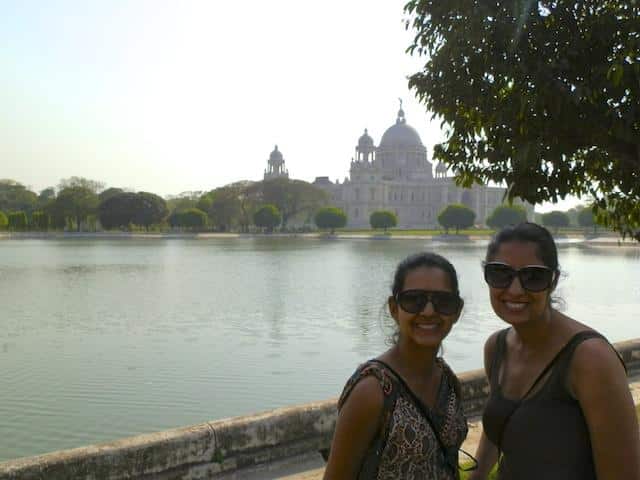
[215, 449]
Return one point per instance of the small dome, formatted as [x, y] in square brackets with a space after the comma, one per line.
[276, 154]
[365, 140]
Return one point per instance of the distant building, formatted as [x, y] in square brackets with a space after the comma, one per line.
[396, 175]
[275, 166]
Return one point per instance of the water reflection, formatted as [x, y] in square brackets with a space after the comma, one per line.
[113, 338]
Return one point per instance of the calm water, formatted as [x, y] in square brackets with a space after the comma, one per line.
[105, 339]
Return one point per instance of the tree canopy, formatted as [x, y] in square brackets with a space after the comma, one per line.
[330, 218]
[291, 197]
[75, 202]
[504, 215]
[17, 221]
[16, 197]
[383, 219]
[142, 208]
[542, 95]
[456, 216]
[268, 217]
[555, 219]
[191, 218]
[4, 221]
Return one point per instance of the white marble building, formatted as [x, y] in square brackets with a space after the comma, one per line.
[396, 175]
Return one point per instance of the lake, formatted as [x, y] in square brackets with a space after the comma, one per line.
[103, 339]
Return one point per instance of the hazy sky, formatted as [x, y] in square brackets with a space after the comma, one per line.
[169, 96]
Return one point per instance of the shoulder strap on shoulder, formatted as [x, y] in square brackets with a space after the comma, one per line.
[498, 355]
[580, 337]
[371, 367]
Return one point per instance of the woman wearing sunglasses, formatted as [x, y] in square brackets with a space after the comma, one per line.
[560, 406]
[400, 415]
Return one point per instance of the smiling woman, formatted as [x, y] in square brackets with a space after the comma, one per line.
[559, 405]
[400, 414]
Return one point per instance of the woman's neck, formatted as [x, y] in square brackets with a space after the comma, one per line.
[536, 334]
[414, 361]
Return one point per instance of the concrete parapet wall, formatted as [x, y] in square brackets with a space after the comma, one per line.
[215, 449]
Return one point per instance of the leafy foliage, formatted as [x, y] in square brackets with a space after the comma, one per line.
[17, 221]
[456, 216]
[40, 221]
[383, 219]
[540, 94]
[47, 195]
[15, 197]
[586, 218]
[268, 217]
[291, 197]
[504, 215]
[116, 211]
[4, 221]
[331, 218]
[142, 208]
[94, 185]
[555, 219]
[149, 209]
[191, 218]
[108, 193]
[75, 202]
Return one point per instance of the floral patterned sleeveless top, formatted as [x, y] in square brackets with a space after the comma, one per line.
[414, 441]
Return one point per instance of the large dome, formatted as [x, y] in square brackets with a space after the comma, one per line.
[400, 134]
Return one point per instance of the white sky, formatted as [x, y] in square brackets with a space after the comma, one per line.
[169, 96]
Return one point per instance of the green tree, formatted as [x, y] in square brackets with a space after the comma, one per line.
[291, 197]
[225, 207]
[456, 216]
[4, 221]
[331, 218]
[504, 215]
[267, 217]
[587, 219]
[148, 209]
[108, 193]
[17, 221]
[80, 182]
[46, 196]
[383, 219]
[191, 218]
[75, 202]
[16, 197]
[555, 219]
[117, 211]
[184, 201]
[540, 95]
[40, 221]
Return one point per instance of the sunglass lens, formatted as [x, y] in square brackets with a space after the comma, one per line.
[497, 275]
[412, 301]
[445, 303]
[535, 279]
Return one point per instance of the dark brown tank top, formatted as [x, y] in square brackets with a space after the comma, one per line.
[544, 435]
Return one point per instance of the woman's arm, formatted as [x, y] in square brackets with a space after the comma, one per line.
[600, 384]
[358, 422]
[487, 452]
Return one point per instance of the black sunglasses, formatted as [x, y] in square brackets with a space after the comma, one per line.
[534, 278]
[414, 301]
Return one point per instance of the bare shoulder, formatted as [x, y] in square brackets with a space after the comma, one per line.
[366, 399]
[595, 362]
